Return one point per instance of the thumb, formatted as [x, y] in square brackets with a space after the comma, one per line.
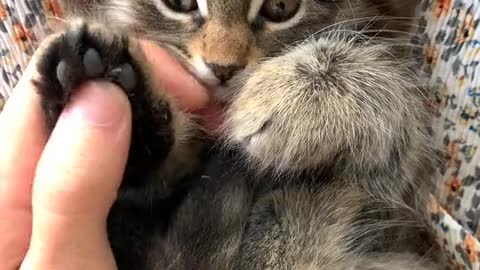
[76, 181]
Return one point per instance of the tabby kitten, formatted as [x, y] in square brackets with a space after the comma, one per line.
[325, 147]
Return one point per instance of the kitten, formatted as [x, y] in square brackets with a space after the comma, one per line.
[324, 160]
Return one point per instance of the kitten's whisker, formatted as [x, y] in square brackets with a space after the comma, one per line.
[370, 19]
[390, 31]
[57, 18]
[363, 35]
[353, 11]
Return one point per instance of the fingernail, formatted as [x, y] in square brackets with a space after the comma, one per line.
[97, 104]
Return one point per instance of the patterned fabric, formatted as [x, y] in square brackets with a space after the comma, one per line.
[450, 40]
[23, 24]
[451, 44]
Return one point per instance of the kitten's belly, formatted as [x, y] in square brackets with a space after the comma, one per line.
[211, 209]
[229, 220]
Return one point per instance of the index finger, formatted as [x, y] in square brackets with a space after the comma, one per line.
[175, 80]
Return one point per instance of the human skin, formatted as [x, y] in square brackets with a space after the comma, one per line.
[56, 192]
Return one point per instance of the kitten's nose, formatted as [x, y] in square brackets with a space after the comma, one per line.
[224, 73]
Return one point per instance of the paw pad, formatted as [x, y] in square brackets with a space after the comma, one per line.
[61, 73]
[125, 76]
[92, 62]
[85, 53]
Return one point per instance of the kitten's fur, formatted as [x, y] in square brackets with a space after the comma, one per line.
[325, 151]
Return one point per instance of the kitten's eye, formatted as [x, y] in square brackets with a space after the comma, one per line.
[183, 6]
[279, 10]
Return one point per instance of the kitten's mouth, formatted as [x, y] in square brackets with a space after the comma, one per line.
[180, 80]
[219, 89]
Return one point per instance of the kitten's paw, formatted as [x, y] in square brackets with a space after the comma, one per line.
[323, 102]
[85, 52]
[90, 51]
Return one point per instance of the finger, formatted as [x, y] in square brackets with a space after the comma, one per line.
[77, 179]
[22, 139]
[212, 118]
[173, 78]
[187, 91]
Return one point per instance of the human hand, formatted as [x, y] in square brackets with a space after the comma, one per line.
[55, 193]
